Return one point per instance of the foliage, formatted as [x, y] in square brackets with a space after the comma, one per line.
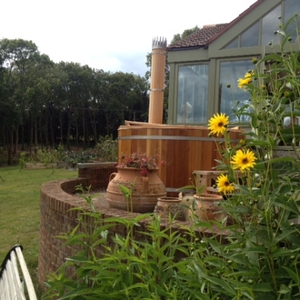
[261, 258]
[177, 37]
[18, 57]
[75, 157]
[129, 268]
[164, 264]
[85, 194]
[107, 149]
[127, 192]
[22, 160]
[140, 161]
[61, 153]
[48, 156]
[46, 103]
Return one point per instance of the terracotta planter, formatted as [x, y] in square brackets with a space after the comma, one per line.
[207, 207]
[145, 190]
[171, 207]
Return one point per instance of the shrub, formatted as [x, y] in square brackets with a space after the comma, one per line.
[107, 149]
[47, 156]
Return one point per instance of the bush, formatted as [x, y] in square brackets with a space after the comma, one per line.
[107, 149]
[146, 268]
[47, 156]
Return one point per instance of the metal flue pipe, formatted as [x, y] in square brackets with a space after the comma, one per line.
[157, 82]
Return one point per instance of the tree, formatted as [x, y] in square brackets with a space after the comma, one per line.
[44, 103]
[177, 37]
[119, 96]
[76, 92]
[17, 57]
[37, 95]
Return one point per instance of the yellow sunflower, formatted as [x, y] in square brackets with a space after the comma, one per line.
[243, 82]
[218, 124]
[224, 185]
[243, 160]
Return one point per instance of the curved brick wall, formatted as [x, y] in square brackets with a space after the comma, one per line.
[56, 218]
[57, 198]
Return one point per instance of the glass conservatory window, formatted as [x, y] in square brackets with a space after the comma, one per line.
[291, 7]
[270, 25]
[250, 37]
[192, 94]
[267, 25]
[233, 97]
[233, 44]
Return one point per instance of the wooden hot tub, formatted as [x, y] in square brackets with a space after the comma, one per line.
[184, 148]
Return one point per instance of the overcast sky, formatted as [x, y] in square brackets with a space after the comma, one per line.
[113, 35]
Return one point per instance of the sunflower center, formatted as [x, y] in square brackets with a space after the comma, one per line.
[245, 161]
[220, 124]
[226, 183]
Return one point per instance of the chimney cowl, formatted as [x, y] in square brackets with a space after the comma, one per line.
[159, 43]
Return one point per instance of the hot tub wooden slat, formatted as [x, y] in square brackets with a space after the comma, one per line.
[184, 148]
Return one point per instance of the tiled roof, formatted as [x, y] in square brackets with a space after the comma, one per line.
[208, 33]
[199, 38]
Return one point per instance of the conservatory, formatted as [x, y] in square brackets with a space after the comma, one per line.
[205, 64]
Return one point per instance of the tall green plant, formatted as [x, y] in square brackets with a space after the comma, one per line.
[127, 193]
[261, 257]
[115, 266]
[107, 149]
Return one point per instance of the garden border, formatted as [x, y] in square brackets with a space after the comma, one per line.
[59, 215]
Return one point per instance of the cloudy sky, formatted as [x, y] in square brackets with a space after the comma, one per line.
[113, 35]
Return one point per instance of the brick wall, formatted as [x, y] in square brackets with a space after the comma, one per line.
[57, 198]
[97, 173]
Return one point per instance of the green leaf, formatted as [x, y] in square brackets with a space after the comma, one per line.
[223, 284]
[262, 287]
[284, 289]
[294, 276]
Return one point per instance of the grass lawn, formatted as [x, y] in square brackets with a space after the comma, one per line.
[20, 209]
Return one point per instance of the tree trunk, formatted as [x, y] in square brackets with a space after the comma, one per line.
[10, 146]
[46, 130]
[69, 131]
[51, 130]
[87, 135]
[22, 135]
[16, 141]
[76, 134]
[107, 123]
[84, 130]
[35, 134]
[40, 130]
[94, 126]
[61, 128]
[31, 134]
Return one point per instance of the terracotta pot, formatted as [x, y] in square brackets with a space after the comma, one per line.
[145, 190]
[171, 206]
[207, 207]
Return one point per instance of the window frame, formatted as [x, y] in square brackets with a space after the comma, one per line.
[176, 91]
